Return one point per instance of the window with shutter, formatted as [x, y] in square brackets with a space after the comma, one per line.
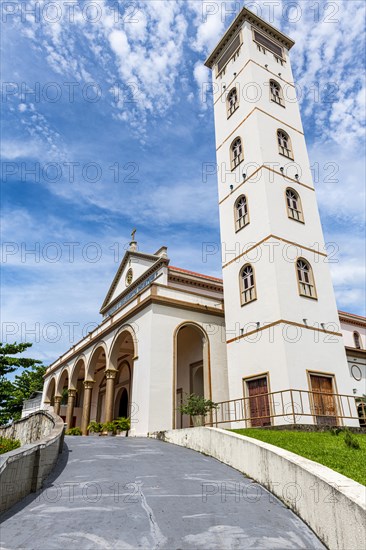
[229, 53]
[267, 43]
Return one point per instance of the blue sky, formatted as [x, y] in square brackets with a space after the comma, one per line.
[117, 130]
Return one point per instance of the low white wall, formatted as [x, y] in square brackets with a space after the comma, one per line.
[23, 470]
[333, 505]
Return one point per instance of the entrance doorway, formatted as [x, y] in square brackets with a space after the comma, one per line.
[122, 359]
[191, 369]
[196, 382]
[123, 404]
[323, 400]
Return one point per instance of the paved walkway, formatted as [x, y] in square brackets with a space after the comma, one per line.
[128, 493]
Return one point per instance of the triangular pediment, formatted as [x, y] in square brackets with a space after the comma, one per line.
[131, 269]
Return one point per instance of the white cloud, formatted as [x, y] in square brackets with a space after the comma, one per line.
[119, 43]
[339, 181]
[210, 22]
[12, 149]
[202, 76]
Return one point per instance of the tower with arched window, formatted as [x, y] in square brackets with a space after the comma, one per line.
[282, 324]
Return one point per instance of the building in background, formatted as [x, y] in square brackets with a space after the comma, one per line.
[32, 404]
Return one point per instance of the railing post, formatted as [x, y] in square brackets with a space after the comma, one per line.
[292, 405]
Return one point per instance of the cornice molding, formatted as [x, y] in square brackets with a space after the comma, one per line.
[246, 15]
[150, 300]
[277, 239]
[160, 262]
[284, 322]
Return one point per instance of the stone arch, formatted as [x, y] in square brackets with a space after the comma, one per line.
[75, 370]
[95, 371]
[121, 358]
[192, 368]
[124, 329]
[96, 355]
[61, 380]
[77, 377]
[50, 390]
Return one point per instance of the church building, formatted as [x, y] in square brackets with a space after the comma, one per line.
[267, 342]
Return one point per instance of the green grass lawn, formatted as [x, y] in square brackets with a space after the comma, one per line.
[322, 447]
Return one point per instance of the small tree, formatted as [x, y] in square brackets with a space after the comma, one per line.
[95, 427]
[12, 394]
[10, 364]
[122, 424]
[197, 406]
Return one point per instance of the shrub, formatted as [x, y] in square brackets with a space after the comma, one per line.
[95, 427]
[109, 427]
[350, 440]
[73, 431]
[122, 424]
[7, 444]
[196, 405]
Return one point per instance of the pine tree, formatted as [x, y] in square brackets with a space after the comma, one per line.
[12, 394]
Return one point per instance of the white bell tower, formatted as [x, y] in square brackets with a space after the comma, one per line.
[282, 322]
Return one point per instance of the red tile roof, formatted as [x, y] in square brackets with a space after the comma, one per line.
[351, 315]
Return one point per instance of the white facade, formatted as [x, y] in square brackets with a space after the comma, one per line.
[165, 331]
[354, 336]
[33, 404]
[169, 339]
[143, 341]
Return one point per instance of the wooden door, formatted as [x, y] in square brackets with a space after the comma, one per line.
[323, 400]
[258, 402]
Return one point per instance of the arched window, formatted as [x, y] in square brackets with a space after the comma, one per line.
[236, 150]
[247, 284]
[357, 340]
[294, 209]
[241, 212]
[284, 144]
[305, 278]
[276, 92]
[232, 102]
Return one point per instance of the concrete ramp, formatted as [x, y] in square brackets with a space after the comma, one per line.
[129, 493]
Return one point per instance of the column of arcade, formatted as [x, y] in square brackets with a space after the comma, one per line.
[111, 375]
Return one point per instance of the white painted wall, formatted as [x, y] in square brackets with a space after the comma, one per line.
[139, 266]
[164, 324]
[357, 373]
[356, 359]
[348, 329]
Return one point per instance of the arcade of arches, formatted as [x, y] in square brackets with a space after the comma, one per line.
[101, 389]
